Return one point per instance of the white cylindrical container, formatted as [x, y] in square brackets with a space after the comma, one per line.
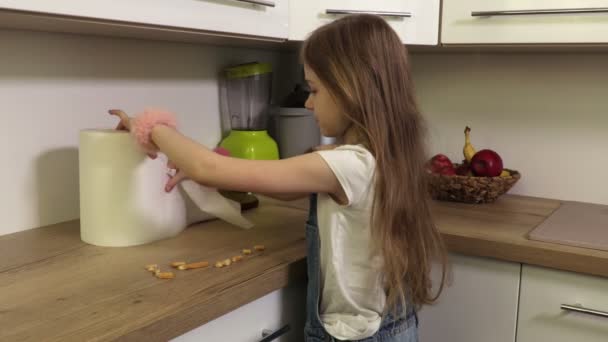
[297, 130]
[122, 196]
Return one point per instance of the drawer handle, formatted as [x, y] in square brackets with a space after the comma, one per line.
[259, 2]
[582, 309]
[540, 11]
[380, 13]
[268, 335]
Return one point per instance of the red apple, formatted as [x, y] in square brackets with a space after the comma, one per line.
[464, 169]
[486, 163]
[441, 164]
[448, 171]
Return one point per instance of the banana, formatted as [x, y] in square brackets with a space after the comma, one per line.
[505, 173]
[468, 150]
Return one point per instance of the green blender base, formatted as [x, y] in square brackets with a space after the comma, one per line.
[256, 145]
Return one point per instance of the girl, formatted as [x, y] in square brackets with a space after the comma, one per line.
[370, 234]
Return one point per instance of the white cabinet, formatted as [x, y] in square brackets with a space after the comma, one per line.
[480, 306]
[541, 317]
[416, 21]
[246, 324]
[241, 17]
[524, 21]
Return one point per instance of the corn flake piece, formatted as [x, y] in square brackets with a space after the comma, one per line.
[151, 267]
[165, 275]
[259, 248]
[200, 264]
[219, 264]
[237, 258]
[177, 264]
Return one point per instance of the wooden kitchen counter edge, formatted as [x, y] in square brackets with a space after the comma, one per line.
[499, 230]
[495, 230]
[54, 287]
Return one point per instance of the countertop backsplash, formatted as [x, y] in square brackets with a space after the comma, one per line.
[52, 85]
[546, 114]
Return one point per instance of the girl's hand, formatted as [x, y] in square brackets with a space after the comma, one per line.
[125, 124]
[125, 120]
[179, 175]
[176, 177]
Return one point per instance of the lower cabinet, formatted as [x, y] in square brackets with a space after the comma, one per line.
[498, 301]
[541, 316]
[488, 300]
[479, 306]
[248, 323]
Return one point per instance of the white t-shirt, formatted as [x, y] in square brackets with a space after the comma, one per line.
[352, 293]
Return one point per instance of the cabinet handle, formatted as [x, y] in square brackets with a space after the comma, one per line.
[582, 309]
[259, 2]
[540, 11]
[380, 13]
[268, 335]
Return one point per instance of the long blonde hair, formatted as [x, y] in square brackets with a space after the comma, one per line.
[364, 65]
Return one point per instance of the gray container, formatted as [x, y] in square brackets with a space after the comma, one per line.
[297, 131]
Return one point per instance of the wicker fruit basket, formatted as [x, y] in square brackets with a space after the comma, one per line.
[469, 189]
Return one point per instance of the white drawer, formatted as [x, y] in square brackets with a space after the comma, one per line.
[229, 16]
[480, 306]
[540, 316]
[245, 324]
[460, 27]
[421, 28]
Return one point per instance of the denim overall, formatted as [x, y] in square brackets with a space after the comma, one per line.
[391, 329]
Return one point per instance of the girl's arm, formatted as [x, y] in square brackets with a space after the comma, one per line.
[295, 196]
[298, 175]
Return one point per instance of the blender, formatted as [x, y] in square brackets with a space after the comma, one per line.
[248, 89]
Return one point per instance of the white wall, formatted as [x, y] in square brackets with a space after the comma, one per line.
[53, 85]
[545, 114]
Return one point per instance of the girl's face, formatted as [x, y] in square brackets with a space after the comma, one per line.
[329, 116]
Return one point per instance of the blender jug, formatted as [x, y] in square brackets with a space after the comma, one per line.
[248, 90]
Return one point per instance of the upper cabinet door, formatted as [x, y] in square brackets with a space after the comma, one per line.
[416, 21]
[524, 21]
[264, 18]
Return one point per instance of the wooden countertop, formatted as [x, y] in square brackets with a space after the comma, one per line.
[499, 230]
[54, 287]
